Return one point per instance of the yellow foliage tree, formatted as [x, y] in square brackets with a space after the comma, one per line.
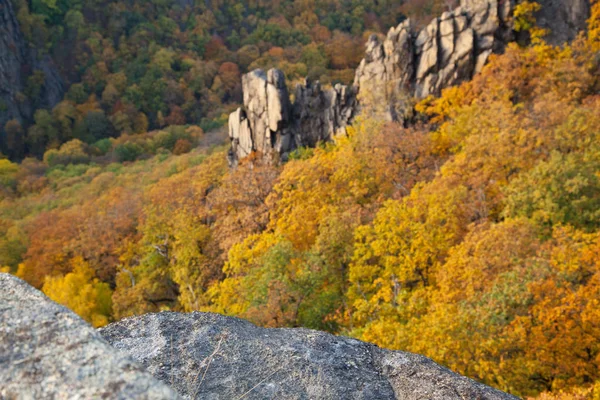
[594, 27]
[396, 260]
[480, 289]
[295, 272]
[559, 335]
[82, 292]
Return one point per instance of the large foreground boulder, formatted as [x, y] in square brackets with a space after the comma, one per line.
[48, 352]
[209, 356]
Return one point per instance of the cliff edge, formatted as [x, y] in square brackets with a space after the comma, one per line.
[46, 351]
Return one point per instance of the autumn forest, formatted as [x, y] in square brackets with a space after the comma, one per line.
[470, 235]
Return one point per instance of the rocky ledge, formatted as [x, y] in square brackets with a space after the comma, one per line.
[210, 356]
[46, 351]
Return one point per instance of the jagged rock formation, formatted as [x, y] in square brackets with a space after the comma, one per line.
[209, 356]
[320, 114]
[17, 63]
[449, 50]
[405, 66]
[386, 75]
[270, 125]
[48, 352]
[262, 124]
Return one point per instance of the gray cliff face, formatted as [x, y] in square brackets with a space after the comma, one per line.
[262, 124]
[450, 50]
[321, 114]
[48, 352]
[386, 75]
[564, 18]
[404, 67]
[13, 56]
[209, 356]
[456, 46]
[17, 63]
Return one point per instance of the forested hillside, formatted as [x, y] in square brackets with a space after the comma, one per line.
[471, 236]
[133, 66]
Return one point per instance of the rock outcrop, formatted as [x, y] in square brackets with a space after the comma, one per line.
[270, 125]
[386, 75]
[456, 46]
[404, 67]
[48, 352]
[17, 62]
[451, 49]
[210, 356]
[262, 125]
[321, 114]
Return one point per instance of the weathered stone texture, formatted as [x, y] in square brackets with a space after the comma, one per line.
[210, 356]
[451, 49]
[48, 352]
[319, 114]
[387, 70]
[564, 18]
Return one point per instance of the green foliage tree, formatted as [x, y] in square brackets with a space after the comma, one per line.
[563, 190]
